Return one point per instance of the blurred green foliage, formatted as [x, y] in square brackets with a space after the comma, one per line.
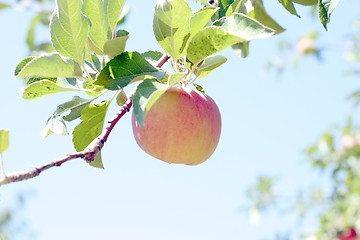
[13, 224]
[336, 154]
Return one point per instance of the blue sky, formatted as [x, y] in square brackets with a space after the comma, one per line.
[267, 120]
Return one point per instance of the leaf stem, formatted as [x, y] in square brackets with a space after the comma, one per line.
[176, 68]
[191, 73]
[192, 81]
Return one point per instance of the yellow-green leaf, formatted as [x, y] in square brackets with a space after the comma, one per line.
[4, 140]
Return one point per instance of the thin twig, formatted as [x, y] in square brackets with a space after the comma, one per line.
[35, 171]
[89, 153]
[162, 60]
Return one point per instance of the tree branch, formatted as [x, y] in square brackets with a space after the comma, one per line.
[89, 153]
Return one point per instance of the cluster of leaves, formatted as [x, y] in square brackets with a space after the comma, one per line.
[293, 54]
[336, 154]
[89, 55]
[338, 151]
[307, 46]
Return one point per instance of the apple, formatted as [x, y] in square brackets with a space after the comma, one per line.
[348, 141]
[183, 126]
[350, 234]
[306, 2]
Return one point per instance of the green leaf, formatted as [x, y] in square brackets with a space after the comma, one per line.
[289, 5]
[96, 62]
[199, 88]
[199, 19]
[4, 6]
[125, 68]
[75, 106]
[30, 39]
[102, 18]
[69, 29]
[42, 88]
[241, 49]
[209, 41]
[152, 56]
[171, 25]
[224, 5]
[22, 64]
[212, 62]
[254, 9]
[114, 8]
[121, 98]
[36, 79]
[244, 27]
[123, 16]
[100, 30]
[92, 117]
[68, 82]
[306, 2]
[175, 78]
[209, 64]
[4, 140]
[326, 7]
[226, 32]
[45, 47]
[50, 65]
[236, 7]
[56, 126]
[148, 92]
[116, 46]
[258, 12]
[92, 89]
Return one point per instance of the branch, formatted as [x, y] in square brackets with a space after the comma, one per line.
[35, 171]
[89, 153]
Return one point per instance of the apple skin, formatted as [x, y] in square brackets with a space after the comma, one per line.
[350, 234]
[183, 126]
[306, 2]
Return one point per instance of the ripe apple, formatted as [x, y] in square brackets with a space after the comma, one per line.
[305, 2]
[348, 235]
[183, 126]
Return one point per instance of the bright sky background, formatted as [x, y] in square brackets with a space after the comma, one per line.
[267, 121]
